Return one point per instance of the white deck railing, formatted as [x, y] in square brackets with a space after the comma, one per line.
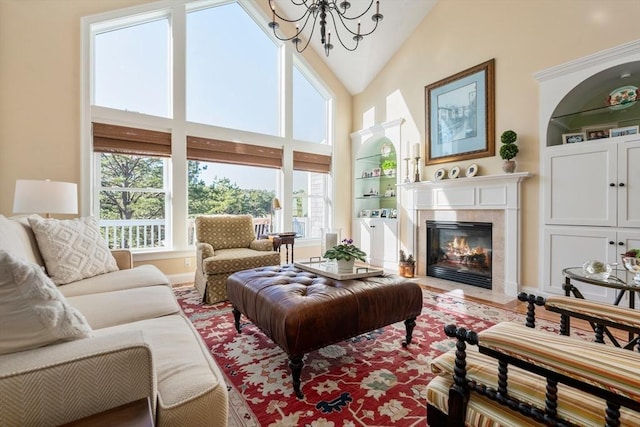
[134, 233]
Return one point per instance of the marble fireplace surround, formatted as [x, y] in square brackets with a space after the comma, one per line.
[493, 198]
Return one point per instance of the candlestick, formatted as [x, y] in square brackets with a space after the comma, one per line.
[406, 168]
[417, 170]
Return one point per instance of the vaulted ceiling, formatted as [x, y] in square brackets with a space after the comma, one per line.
[357, 69]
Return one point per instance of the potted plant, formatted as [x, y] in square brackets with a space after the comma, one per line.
[345, 254]
[406, 265]
[508, 150]
[389, 167]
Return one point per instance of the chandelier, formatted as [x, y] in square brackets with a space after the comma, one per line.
[322, 9]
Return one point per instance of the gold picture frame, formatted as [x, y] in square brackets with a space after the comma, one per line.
[460, 115]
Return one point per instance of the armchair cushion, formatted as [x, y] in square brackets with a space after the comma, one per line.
[232, 260]
[33, 312]
[225, 231]
[72, 249]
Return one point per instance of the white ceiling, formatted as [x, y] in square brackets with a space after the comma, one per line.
[357, 69]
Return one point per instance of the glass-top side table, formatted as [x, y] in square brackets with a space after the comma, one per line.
[614, 282]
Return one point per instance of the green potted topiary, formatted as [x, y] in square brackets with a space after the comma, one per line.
[508, 150]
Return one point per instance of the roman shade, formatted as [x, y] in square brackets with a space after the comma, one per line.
[125, 140]
[310, 162]
[214, 150]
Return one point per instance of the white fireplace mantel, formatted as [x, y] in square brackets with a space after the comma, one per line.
[497, 192]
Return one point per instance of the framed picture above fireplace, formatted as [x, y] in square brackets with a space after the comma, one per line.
[460, 110]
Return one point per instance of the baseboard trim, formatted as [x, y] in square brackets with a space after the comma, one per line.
[179, 279]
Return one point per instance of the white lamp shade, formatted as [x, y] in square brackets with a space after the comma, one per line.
[50, 197]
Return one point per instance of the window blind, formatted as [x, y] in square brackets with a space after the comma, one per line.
[311, 162]
[126, 140]
[214, 150]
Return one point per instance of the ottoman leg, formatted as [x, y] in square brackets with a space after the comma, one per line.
[236, 318]
[409, 325]
[296, 364]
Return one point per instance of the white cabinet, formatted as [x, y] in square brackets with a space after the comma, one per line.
[592, 208]
[566, 246]
[594, 183]
[378, 238]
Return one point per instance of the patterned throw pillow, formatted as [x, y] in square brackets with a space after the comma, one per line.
[72, 249]
[33, 312]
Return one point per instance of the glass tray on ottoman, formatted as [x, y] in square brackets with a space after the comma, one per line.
[321, 267]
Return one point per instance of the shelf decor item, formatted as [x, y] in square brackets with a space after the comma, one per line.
[623, 97]
[460, 113]
[508, 150]
[389, 167]
[631, 262]
[629, 130]
[346, 253]
[454, 172]
[472, 170]
[572, 138]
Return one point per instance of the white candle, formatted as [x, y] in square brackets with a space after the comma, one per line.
[416, 149]
[331, 240]
[407, 150]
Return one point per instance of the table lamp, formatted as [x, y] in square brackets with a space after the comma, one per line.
[48, 197]
[275, 206]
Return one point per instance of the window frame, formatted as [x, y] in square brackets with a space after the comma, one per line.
[177, 125]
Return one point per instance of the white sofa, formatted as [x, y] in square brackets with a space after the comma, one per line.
[142, 346]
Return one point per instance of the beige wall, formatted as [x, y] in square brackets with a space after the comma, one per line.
[40, 98]
[524, 36]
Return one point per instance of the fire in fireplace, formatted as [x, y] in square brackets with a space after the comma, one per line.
[460, 251]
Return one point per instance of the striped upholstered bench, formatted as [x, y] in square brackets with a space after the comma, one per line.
[515, 370]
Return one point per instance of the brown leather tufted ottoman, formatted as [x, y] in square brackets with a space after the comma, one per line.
[301, 311]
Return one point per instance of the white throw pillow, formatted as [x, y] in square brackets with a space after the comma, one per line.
[33, 312]
[72, 249]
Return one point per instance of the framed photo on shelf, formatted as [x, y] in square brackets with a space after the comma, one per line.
[572, 138]
[375, 213]
[460, 122]
[384, 213]
[599, 131]
[629, 130]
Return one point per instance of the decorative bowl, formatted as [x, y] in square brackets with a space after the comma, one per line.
[632, 264]
[597, 270]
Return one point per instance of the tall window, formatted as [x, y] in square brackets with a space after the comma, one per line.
[232, 71]
[132, 68]
[309, 110]
[235, 127]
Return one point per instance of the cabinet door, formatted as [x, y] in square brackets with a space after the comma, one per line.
[629, 184]
[579, 185]
[363, 236]
[389, 243]
[572, 247]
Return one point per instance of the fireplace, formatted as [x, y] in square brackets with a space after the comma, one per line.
[460, 252]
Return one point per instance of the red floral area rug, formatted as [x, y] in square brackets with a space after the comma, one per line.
[369, 380]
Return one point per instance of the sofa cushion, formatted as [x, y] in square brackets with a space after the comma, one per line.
[33, 313]
[238, 259]
[129, 305]
[17, 237]
[191, 388]
[138, 277]
[72, 249]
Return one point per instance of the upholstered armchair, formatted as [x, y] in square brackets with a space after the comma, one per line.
[226, 244]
